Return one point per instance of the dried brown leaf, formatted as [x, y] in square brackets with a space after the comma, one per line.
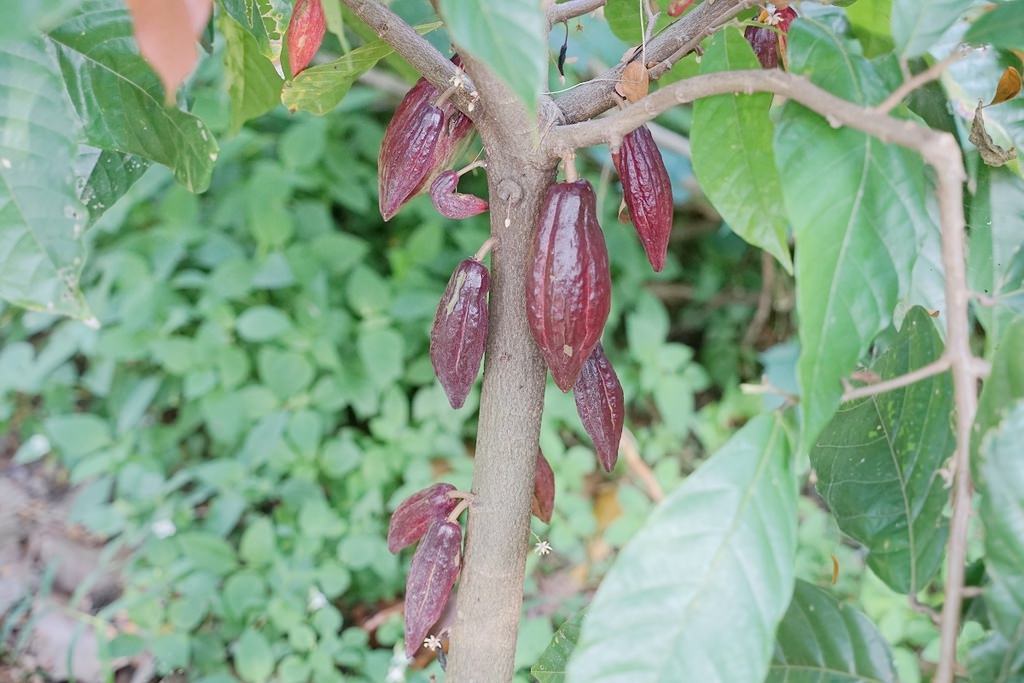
[634, 83]
[991, 153]
[1008, 87]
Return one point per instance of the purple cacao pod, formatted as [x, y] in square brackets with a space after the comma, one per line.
[459, 335]
[434, 568]
[411, 519]
[601, 406]
[306, 31]
[419, 141]
[647, 191]
[449, 202]
[543, 502]
[769, 44]
[568, 290]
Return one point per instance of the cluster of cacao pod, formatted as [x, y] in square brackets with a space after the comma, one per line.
[430, 518]
[769, 39]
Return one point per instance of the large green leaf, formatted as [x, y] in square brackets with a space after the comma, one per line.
[870, 21]
[24, 18]
[249, 16]
[858, 207]
[1001, 485]
[507, 36]
[878, 463]
[120, 99]
[551, 666]
[253, 83]
[697, 593]
[731, 143]
[821, 640]
[320, 88]
[624, 19]
[41, 218]
[1003, 387]
[110, 175]
[918, 24]
[995, 265]
[1003, 26]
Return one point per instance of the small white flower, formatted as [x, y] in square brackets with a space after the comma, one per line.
[432, 643]
[163, 528]
[317, 599]
[542, 548]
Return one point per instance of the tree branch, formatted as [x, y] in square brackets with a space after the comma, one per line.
[570, 9]
[664, 50]
[916, 81]
[936, 367]
[416, 50]
[941, 152]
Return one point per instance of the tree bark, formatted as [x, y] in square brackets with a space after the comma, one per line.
[491, 584]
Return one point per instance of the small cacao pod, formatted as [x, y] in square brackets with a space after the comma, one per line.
[419, 141]
[568, 290]
[647, 191]
[677, 7]
[306, 31]
[459, 335]
[414, 515]
[543, 502]
[449, 202]
[434, 568]
[601, 406]
[769, 41]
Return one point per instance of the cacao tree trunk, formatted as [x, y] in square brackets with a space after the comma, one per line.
[491, 585]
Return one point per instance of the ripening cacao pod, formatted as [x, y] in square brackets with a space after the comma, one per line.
[434, 568]
[306, 31]
[647, 191]
[568, 289]
[601, 406]
[419, 141]
[411, 519]
[449, 202]
[459, 335]
[543, 502]
[769, 41]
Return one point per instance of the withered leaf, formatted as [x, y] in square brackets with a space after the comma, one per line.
[1008, 87]
[991, 153]
[635, 82]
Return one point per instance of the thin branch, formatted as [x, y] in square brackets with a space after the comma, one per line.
[916, 81]
[764, 301]
[636, 464]
[570, 9]
[416, 50]
[926, 610]
[675, 42]
[936, 367]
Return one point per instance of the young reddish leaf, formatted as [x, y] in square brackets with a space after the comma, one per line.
[677, 7]
[601, 406]
[459, 335]
[419, 141]
[305, 33]
[449, 202]
[435, 566]
[410, 520]
[568, 291]
[166, 32]
[543, 503]
[647, 191]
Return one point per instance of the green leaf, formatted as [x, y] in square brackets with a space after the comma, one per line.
[878, 463]
[697, 593]
[320, 88]
[870, 21]
[285, 372]
[254, 85]
[262, 323]
[509, 37]
[22, 19]
[247, 13]
[41, 218]
[382, 351]
[1001, 485]
[258, 543]
[551, 666]
[995, 265]
[623, 17]
[207, 551]
[821, 639]
[731, 143]
[78, 434]
[857, 207]
[120, 100]
[918, 24]
[111, 176]
[254, 660]
[1002, 26]
[1003, 387]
